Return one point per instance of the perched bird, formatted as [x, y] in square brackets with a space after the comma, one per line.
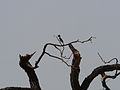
[61, 40]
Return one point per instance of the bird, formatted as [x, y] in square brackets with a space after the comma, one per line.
[61, 40]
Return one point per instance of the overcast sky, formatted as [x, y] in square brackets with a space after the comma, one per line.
[26, 25]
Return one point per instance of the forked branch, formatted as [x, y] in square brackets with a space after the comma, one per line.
[57, 58]
[59, 45]
[98, 71]
[104, 75]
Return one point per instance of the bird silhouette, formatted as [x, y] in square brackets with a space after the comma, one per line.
[60, 39]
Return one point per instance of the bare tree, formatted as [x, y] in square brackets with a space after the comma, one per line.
[75, 67]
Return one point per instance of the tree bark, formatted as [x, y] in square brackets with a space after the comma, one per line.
[29, 69]
[98, 71]
[75, 69]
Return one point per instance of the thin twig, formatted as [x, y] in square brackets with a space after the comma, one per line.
[105, 62]
[101, 58]
[68, 57]
[58, 58]
[104, 76]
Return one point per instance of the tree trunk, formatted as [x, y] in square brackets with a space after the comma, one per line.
[75, 69]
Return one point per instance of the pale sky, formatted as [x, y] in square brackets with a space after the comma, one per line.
[26, 25]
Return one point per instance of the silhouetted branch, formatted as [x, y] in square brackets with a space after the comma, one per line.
[98, 71]
[104, 76]
[59, 45]
[75, 61]
[29, 69]
[104, 82]
[58, 58]
[105, 62]
[75, 67]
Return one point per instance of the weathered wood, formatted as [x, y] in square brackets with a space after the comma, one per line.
[29, 69]
[98, 71]
[75, 69]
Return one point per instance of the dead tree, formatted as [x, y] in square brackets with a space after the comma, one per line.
[75, 67]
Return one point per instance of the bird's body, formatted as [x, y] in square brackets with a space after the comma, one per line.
[60, 39]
